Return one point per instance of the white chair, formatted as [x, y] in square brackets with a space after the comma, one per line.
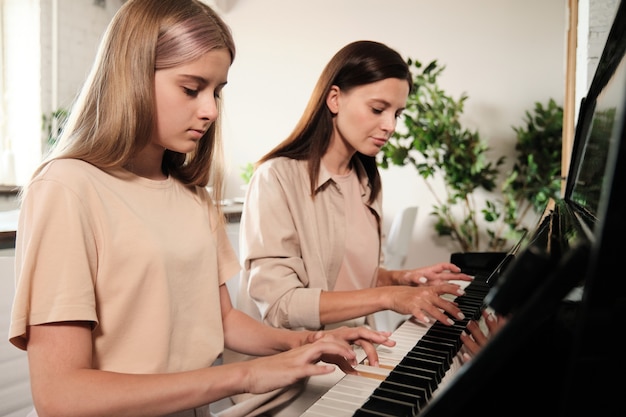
[396, 245]
[396, 248]
[15, 396]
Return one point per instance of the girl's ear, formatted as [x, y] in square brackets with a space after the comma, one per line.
[332, 99]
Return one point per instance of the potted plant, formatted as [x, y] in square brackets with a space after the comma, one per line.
[473, 210]
[536, 175]
[246, 172]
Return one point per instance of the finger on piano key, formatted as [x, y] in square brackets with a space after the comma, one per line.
[405, 337]
[374, 372]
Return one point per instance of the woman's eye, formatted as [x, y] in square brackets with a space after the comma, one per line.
[376, 111]
[190, 92]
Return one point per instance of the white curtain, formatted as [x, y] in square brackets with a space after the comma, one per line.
[20, 89]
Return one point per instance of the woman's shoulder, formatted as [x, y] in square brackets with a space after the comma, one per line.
[283, 166]
[281, 172]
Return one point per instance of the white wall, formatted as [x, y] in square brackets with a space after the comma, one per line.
[70, 33]
[505, 54]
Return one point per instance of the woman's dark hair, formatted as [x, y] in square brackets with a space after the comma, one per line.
[356, 64]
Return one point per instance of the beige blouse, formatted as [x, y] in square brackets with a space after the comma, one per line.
[292, 246]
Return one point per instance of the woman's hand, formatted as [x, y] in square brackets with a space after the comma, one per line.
[426, 302]
[436, 274]
[475, 338]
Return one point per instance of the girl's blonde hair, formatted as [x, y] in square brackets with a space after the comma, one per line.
[113, 116]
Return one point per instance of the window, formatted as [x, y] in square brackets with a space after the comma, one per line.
[20, 90]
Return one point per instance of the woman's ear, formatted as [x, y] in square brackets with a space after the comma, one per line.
[332, 99]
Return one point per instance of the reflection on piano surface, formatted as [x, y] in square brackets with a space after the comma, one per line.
[559, 353]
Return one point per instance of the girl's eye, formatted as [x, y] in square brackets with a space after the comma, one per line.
[190, 92]
[376, 111]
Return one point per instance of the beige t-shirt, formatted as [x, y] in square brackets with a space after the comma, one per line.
[138, 258]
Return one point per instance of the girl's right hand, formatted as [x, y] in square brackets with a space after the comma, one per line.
[276, 371]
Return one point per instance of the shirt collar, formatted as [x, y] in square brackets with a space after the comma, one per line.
[325, 176]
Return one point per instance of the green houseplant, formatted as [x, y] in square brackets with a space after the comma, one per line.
[246, 172]
[433, 140]
[475, 211]
[536, 175]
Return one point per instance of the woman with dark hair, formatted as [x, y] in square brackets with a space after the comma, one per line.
[121, 254]
[311, 227]
[310, 240]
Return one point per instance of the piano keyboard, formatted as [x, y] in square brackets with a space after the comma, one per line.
[423, 360]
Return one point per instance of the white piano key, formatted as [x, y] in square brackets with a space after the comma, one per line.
[321, 410]
[337, 403]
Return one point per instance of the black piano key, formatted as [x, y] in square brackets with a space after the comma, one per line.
[409, 404]
[448, 331]
[414, 402]
[453, 343]
[418, 393]
[446, 348]
[388, 407]
[427, 353]
[431, 374]
[445, 343]
[406, 378]
[469, 308]
[424, 367]
[469, 311]
[470, 304]
[436, 355]
[456, 327]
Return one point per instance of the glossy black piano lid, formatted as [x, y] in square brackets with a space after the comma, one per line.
[596, 354]
[559, 355]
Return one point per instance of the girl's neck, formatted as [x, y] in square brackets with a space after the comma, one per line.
[146, 167]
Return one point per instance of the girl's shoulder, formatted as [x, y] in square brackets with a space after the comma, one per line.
[68, 171]
[76, 175]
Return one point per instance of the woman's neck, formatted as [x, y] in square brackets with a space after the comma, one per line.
[338, 160]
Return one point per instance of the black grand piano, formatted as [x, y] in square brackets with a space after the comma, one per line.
[561, 354]
[563, 288]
